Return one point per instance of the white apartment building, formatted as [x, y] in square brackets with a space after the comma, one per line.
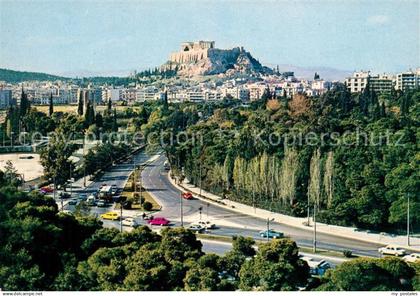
[148, 94]
[196, 96]
[383, 83]
[113, 94]
[407, 80]
[357, 82]
[320, 87]
[239, 93]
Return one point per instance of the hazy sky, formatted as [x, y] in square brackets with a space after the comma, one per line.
[114, 37]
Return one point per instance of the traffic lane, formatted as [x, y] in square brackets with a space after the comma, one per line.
[117, 175]
[221, 248]
[156, 180]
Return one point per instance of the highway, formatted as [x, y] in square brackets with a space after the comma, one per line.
[155, 180]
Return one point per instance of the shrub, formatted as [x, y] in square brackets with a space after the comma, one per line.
[347, 253]
[147, 206]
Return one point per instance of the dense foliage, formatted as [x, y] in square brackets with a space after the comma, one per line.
[43, 249]
[355, 157]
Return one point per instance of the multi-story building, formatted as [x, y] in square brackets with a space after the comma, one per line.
[357, 82]
[381, 83]
[147, 94]
[407, 80]
[5, 98]
[196, 96]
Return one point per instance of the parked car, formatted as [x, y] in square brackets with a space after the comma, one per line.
[392, 250]
[196, 227]
[82, 197]
[64, 195]
[110, 216]
[207, 224]
[159, 221]
[316, 267]
[91, 200]
[187, 195]
[73, 202]
[46, 189]
[131, 222]
[271, 233]
[101, 204]
[413, 257]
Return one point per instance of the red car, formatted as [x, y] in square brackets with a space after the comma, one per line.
[159, 221]
[46, 189]
[187, 195]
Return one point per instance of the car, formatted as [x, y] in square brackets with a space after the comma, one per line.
[91, 200]
[82, 197]
[196, 227]
[271, 233]
[46, 189]
[73, 202]
[316, 267]
[131, 222]
[392, 250]
[111, 216]
[187, 195]
[159, 221]
[207, 224]
[64, 195]
[101, 204]
[166, 166]
[413, 257]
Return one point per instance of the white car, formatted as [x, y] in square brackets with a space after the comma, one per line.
[412, 257]
[131, 222]
[196, 227]
[207, 224]
[392, 250]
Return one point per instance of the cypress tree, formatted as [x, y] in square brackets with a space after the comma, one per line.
[109, 107]
[51, 106]
[24, 104]
[114, 122]
[80, 104]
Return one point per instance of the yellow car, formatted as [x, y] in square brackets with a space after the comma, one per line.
[111, 216]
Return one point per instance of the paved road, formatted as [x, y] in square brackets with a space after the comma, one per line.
[117, 175]
[155, 180]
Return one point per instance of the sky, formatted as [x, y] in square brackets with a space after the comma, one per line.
[110, 37]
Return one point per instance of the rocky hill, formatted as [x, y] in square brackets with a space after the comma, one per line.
[201, 58]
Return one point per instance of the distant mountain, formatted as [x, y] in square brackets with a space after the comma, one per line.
[12, 76]
[202, 58]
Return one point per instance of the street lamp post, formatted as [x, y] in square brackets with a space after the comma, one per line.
[84, 162]
[182, 211]
[314, 246]
[268, 228]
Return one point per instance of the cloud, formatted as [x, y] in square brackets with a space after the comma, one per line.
[378, 19]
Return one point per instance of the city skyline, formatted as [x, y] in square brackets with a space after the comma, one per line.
[114, 38]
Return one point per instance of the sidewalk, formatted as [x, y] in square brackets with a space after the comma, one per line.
[339, 231]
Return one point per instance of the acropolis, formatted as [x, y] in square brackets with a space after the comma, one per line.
[192, 52]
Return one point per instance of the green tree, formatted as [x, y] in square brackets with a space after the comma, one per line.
[366, 274]
[50, 106]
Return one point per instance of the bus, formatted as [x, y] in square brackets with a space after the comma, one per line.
[105, 193]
